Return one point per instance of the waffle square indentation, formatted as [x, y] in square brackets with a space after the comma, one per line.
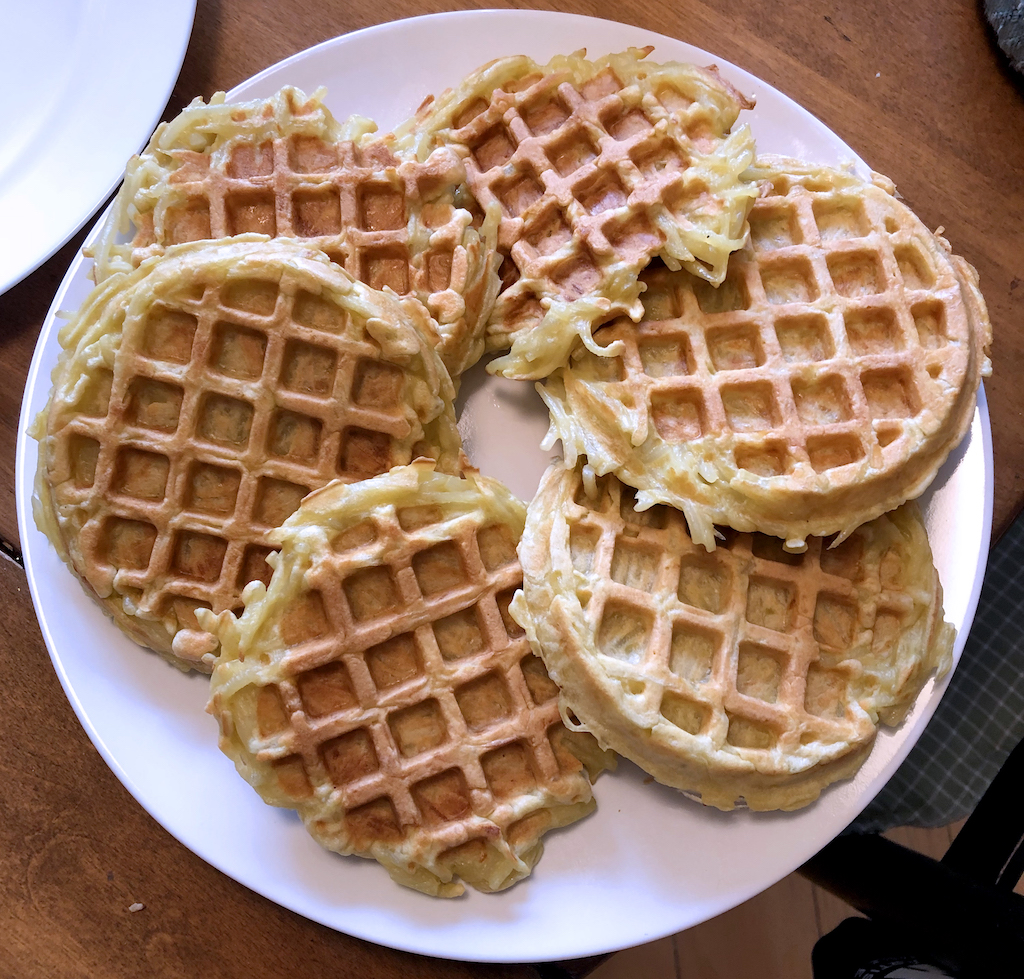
[930, 321]
[394, 661]
[635, 565]
[601, 192]
[225, 421]
[734, 348]
[141, 474]
[238, 351]
[872, 331]
[83, 455]
[168, 334]
[254, 565]
[305, 619]
[750, 407]
[442, 798]
[518, 194]
[350, 757]
[679, 415]
[825, 693]
[418, 728]
[541, 687]
[310, 154]
[624, 632]
[497, 546]
[378, 385]
[484, 701]
[771, 604]
[374, 822]
[188, 221]
[692, 653]
[856, 273]
[212, 489]
[509, 770]
[381, 208]
[386, 267]
[371, 592]
[154, 404]
[493, 149]
[656, 156]
[685, 714]
[704, 583]
[774, 226]
[891, 393]
[256, 296]
[317, 313]
[503, 599]
[316, 211]
[833, 451]
[276, 500]
[758, 672]
[821, 400]
[835, 621]
[251, 210]
[308, 368]
[842, 218]
[326, 690]
[789, 281]
[439, 569]
[198, 556]
[672, 357]
[914, 266]
[364, 453]
[745, 733]
[729, 297]
[251, 160]
[544, 115]
[571, 151]
[128, 543]
[295, 437]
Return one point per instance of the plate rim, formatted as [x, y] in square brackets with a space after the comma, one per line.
[27, 530]
[184, 12]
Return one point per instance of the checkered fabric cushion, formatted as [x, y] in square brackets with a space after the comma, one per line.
[981, 717]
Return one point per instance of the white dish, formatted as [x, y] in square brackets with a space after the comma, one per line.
[84, 84]
[649, 862]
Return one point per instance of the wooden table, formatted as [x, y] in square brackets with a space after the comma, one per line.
[919, 89]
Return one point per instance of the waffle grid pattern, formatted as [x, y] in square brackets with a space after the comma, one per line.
[767, 685]
[389, 222]
[746, 673]
[837, 347]
[410, 694]
[225, 408]
[594, 177]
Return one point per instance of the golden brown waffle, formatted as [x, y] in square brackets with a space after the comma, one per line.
[747, 674]
[284, 167]
[379, 687]
[199, 398]
[594, 167]
[822, 384]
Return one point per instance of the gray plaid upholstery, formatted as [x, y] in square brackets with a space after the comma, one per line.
[981, 717]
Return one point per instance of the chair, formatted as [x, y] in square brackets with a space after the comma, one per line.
[958, 917]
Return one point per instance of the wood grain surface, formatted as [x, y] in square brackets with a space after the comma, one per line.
[919, 89]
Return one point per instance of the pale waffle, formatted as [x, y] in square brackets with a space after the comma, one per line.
[378, 686]
[822, 384]
[750, 674]
[285, 167]
[199, 398]
[594, 167]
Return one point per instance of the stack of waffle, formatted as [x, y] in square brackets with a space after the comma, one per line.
[251, 462]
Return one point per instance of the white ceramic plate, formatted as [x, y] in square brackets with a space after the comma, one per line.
[84, 83]
[649, 862]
